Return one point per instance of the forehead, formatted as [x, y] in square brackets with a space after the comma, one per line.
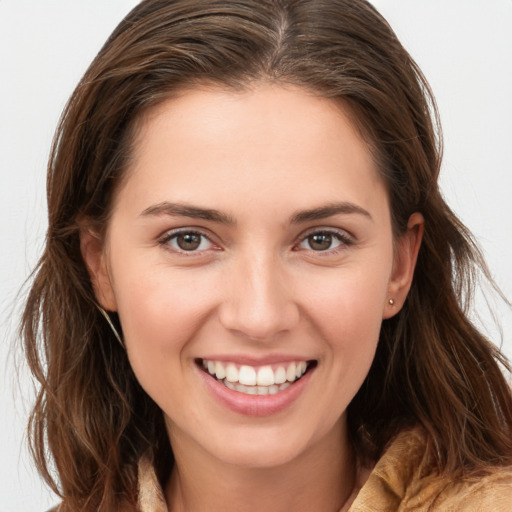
[206, 142]
[214, 112]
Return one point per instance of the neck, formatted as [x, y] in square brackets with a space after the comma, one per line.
[321, 478]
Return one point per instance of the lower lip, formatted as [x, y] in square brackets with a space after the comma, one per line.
[255, 405]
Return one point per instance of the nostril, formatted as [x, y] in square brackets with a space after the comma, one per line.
[259, 311]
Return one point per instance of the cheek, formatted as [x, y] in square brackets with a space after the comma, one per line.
[349, 305]
[158, 305]
[161, 315]
[346, 310]
[160, 311]
[353, 334]
[344, 314]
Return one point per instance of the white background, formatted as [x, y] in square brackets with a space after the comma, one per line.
[463, 46]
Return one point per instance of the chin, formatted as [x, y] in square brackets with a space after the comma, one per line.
[260, 454]
[271, 446]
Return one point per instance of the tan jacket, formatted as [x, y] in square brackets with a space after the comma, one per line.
[394, 485]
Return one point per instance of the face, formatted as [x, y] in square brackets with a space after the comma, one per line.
[251, 260]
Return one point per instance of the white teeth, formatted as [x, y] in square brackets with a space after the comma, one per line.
[262, 390]
[246, 379]
[256, 390]
[290, 372]
[301, 368]
[280, 376]
[265, 376]
[247, 376]
[228, 384]
[272, 390]
[231, 373]
[220, 373]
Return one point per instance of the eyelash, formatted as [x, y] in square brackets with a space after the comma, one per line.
[170, 235]
[343, 238]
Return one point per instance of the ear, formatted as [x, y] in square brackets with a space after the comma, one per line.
[94, 256]
[406, 254]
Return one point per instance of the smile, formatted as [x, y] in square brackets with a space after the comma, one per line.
[262, 380]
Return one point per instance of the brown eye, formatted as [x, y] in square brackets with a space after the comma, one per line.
[188, 241]
[320, 241]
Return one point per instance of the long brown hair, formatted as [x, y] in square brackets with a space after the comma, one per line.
[432, 366]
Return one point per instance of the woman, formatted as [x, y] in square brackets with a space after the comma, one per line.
[251, 296]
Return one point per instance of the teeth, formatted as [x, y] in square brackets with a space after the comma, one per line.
[231, 373]
[272, 390]
[256, 390]
[220, 372]
[262, 390]
[247, 376]
[265, 376]
[280, 376]
[291, 372]
[252, 381]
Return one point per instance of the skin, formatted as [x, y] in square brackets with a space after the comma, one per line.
[256, 287]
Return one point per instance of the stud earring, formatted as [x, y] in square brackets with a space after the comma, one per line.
[391, 302]
[114, 330]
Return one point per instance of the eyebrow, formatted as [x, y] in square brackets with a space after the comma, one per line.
[184, 210]
[329, 210]
[196, 212]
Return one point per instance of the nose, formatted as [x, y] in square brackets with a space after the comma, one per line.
[259, 302]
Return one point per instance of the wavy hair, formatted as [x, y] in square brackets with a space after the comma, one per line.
[432, 366]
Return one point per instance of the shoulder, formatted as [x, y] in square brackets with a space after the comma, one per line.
[492, 492]
[399, 482]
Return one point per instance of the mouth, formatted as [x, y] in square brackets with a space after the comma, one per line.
[256, 380]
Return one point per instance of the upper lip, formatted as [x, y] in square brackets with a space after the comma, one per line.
[256, 361]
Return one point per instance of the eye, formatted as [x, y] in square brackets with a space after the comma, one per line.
[321, 241]
[187, 241]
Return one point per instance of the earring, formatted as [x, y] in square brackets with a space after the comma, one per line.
[391, 302]
[114, 330]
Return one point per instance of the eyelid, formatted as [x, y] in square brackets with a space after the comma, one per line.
[343, 235]
[171, 233]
